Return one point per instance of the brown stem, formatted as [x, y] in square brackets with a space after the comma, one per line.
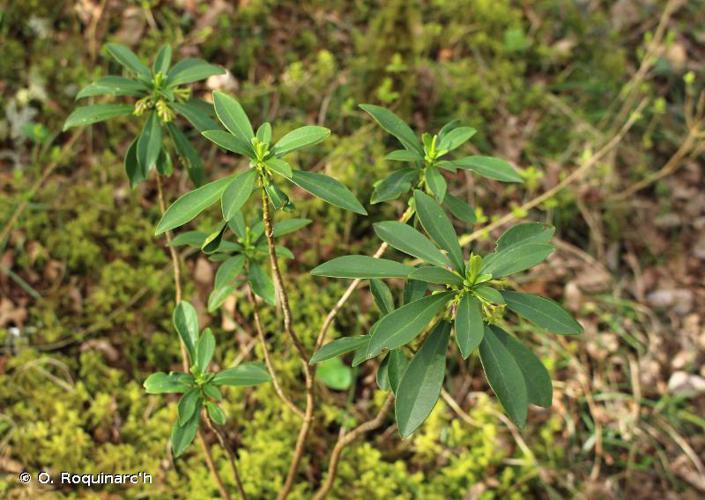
[288, 328]
[267, 357]
[231, 457]
[346, 439]
[184, 356]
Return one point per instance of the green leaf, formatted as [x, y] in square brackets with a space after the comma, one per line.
[543, 312]
[129, 60]
[437, 183]
[398, 363]
[362, 266]
[238, 192]
[191, 70]
[149, 143]
[421, 384]
[162, 383]
[228, 270]
[113, 86]
[436, 275]
[205, 347]
[410, 241]
[211, 390]
[514, 259]
[490, 167]
[185, 319]
[328, 189]
[218, 296]
[276, 196]
[455, 138]
[414, 290]
[262, 284]
[197, 112]
[245, 374]
[189, 205]
[438, 226]
[264, 133]
[189, 238]
[395, 126]
[489, 294]
[382, 376]
[187, 153]
[289, 226]
[335, 374]
[404, 155]
[401, 326]
[182, 436]
[132, 167]
[164, 163]
[382, 295]
[338, 347]
[213, 240]
[163, 60]
[229, 142]
[215, 413]
[189, 404]
[469, 328]
[282, 252]
[460, 209]
[453, 124]
[300, 138]
[280, 167]
[538, 382]
[393, 186]
[505, 377]
[86, 115]
[527, 232]
[231, 114]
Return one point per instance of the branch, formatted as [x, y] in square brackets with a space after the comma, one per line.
[346, 439]
[288, 328]
[267, 357]
[231, 457]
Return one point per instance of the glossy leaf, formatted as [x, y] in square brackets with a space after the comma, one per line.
[469, 328]
[338, 347]
[149, 143]
[163, 383]
[460, 209]
[191, 70]
[262, 284]
[245, 374]
[543, 312]
[189, 238]
[328, 189]
[539, 388]
[394, 125]
[182, 436]
[398, 363]
[215, 413]
[189, 404]
[113, 86]
[229, 142]
[163, 60]
[264, 133]
[228, 270]
[405, 238]
[300, 138]
[289, 226]
[405, 155]
[455, 138]
[438, 226]
[489, 293]
[134, 171]
[86, 115]
[436, 275]
[218, 296]
[362, 266]
[382, 295]
[393, 186]
[401, 326]
[490, 167]
[129, 60]
[187, 153]
[185, 319]
[189, 205]
[436, 183]
[238, 192]
[421, 384]
[527, 232]
[514, 259]
[205, 347]
[505, 377]
[197, 112]
[280, 167]
[414, 290]
[233, 116]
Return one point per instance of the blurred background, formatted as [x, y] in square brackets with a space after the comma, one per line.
[597, 102]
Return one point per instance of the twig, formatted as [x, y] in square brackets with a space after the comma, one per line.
[346, 439]
[231, 457]
[267, 357]
[184, 356]
[288, 328]
[66, 148]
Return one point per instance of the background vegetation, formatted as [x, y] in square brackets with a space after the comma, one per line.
[598, 104]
